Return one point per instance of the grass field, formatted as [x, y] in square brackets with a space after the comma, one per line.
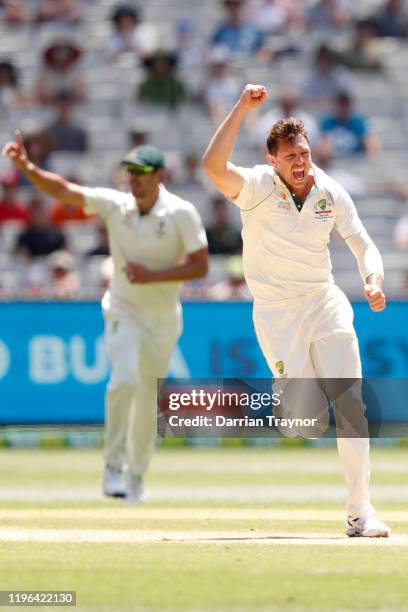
[232, 529]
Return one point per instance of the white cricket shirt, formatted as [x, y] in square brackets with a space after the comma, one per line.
[158, 240]
[286, 251]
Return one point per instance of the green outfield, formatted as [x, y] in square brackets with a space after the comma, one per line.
[223, 529]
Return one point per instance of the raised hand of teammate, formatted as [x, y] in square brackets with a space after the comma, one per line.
[375, 297]
[252, 96]
[16, 151]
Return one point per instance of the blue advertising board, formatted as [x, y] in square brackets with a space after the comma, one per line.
[54, 367]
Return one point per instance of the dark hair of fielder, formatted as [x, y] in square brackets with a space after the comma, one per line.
[284, 129]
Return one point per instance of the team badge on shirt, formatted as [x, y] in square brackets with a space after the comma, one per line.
[283, 202]
[322, 210]
[280, 367]
[161, 228]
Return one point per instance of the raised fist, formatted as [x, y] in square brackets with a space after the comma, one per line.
[253, 96]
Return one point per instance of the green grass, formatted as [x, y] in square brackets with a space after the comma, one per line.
[240, 549]
[168, 576]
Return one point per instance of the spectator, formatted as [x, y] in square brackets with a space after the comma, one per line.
[67, 12]
[161, 85]
[130, 33]
[39, 146]
[40, 238]
[288, 106]
[13, 12]
[35, 281]
[238, 35]
[347, 130]
[354, 184]
[66, 135]
[275, 16]
[401, 233]
[138, 135]
[234, 287]
[223, 237]
[62, 212]
[102, 248]
[326, 15]
[10, 93]
[64, 284]
[400, 190]
[363, 53]
[60, 72]
[188, 44]
[191, 171]
[221, 88]
[392, 19]
[11, 209]
[325, 80]
[325, 160]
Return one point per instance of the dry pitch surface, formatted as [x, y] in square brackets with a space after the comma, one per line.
[243, 529]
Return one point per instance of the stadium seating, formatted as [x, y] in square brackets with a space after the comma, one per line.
[110, 110]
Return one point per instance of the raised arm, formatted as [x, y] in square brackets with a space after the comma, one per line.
[48, 182]
[225, 176]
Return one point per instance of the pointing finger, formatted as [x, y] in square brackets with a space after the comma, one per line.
[19, 138]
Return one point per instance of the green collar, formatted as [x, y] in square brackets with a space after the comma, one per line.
[298, 202]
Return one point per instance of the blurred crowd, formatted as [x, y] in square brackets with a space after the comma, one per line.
[344, 41]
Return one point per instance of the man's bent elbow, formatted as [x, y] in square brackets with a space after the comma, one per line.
[206, 165]
[211, 167]
[201, 269]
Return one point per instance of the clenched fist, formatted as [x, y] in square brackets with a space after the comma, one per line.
[253, 96]
[137, 274]
[375, 297]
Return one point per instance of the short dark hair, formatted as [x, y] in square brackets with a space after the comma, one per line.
[125, 10]
[284, 129]
[7, 68]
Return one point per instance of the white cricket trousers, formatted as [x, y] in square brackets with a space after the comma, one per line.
[139, 353]
[312, 336]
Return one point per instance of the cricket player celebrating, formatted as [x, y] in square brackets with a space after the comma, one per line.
[303, 321]
[156, 241]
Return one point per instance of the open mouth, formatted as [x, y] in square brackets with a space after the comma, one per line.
[298, 175]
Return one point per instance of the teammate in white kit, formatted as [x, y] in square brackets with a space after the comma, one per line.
[303, 321]
[157, 240]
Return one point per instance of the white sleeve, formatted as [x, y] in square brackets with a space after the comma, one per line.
[349, 225]
[368, 256]
[347, 222]
[100, 200]
[259, 184]
[191, 228]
